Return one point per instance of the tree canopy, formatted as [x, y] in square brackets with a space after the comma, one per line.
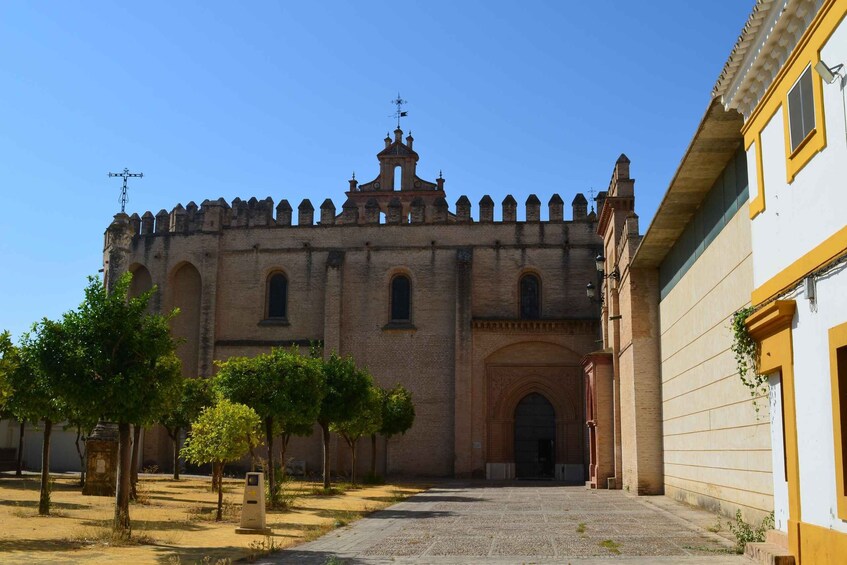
[347, 389]
[115, 360]
[223, 432]
[283, 387]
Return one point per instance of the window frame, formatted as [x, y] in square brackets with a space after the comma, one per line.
[391, 301]
[539, 308]
[268, 296]
[806, 97]
[838, 372]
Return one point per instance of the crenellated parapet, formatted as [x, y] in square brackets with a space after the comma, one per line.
[213, 216]
[397, 196]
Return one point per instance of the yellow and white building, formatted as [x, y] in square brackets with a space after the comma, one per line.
[785, 77]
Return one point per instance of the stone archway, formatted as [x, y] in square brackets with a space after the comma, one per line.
[535, 438]
[536, 371]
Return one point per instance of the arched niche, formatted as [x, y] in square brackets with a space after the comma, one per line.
[186, 294]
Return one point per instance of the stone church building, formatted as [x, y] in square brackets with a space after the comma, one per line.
[486, 322]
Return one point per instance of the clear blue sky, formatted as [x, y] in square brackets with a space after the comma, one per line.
[286, 99]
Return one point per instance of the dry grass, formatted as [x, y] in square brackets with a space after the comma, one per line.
[173, 521]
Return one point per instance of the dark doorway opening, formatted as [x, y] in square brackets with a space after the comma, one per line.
[535, 438]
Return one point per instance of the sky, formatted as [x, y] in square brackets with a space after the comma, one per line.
[288, 99]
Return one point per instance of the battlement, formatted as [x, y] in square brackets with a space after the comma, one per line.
[216, 215]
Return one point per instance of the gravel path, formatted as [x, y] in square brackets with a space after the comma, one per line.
[520, 522]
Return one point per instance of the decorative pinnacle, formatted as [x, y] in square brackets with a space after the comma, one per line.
[439, 174]
[354, 175]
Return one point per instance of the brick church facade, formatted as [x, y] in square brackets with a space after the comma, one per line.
[486, 322]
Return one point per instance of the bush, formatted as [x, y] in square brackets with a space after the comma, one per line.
[745, 533]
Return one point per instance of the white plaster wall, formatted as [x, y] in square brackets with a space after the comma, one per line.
[813, 397]
[780, 484]
[799, 216]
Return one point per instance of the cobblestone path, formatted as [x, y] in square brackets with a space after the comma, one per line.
[522, 523]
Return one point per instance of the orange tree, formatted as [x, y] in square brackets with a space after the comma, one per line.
[121, 365]
[347, 389]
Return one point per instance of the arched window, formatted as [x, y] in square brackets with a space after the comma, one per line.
[277, 296]
[530, 297]
[401, 299]
[398, 178]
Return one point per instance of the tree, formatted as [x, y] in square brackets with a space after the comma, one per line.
[196, 395]
[398, 415]
[283, 387]
[223, 432]
[8, 363]
[35, 398]
[366, 421]
[346, 390]
[123, 368]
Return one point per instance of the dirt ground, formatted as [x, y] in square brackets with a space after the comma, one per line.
[173, 521]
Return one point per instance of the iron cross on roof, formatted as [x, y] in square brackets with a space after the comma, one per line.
[125, 175]
[399, 113]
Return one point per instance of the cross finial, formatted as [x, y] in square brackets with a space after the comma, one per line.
[591, 194]
[125, 175]
[399, 113]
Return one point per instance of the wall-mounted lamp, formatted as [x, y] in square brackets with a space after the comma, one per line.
[827, 73]
[600, 264]
[591, 293]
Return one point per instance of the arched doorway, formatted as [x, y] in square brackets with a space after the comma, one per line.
[535, 438]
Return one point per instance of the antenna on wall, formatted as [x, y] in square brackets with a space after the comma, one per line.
[125, 175]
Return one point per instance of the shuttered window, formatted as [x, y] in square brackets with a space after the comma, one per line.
[801, 109]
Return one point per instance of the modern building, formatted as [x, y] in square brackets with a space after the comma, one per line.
[785, 77]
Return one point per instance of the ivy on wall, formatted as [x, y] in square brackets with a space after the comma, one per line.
[746, 351]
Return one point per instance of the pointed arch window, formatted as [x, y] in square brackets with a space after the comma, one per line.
[401, 299]
[530, 290]
[277, 307]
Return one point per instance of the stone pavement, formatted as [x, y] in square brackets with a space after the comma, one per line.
[522, 522]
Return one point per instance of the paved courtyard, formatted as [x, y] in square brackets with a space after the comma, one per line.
[522, 523]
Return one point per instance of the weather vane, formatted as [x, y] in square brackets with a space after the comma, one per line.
[591, 194]
[125, 175]
[399, 113]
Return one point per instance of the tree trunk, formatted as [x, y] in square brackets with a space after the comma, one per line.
[122, 524]
[44, 499]
[284, 439]
[325, 432]
[136, 436]
[219, 515]
[385, 457]
[19, 468]
[353, 461]
[269, 434]
[216, 475]
[175, 438]
[81, 456]
[373, 455]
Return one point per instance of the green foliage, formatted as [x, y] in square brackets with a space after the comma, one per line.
[347, 389]
[398, 411]
[746, 352]
[111, 359]
[34, 383]
[282, 385]
[745, 533]
[367, 420]
[222, 432]
[120, 362]
[8, 363]
[196, 394]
